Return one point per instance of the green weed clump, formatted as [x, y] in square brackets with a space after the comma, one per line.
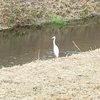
[57, 19]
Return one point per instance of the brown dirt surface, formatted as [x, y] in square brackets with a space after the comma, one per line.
[76, 77]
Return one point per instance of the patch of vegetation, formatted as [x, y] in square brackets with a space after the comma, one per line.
[57, 21]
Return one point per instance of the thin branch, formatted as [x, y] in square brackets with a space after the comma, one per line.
[76, 46]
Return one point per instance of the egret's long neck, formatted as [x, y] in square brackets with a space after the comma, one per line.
[54, 42]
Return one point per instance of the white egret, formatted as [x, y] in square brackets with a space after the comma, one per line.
[55, 47]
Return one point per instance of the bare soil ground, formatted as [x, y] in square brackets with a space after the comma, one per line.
[76, 77]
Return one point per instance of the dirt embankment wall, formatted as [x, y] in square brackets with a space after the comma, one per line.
[23, 12]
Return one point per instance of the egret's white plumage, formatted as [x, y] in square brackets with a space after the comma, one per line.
[55, 47]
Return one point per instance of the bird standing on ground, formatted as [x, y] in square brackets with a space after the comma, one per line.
[55, 47]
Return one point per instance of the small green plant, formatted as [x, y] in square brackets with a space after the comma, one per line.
[56, 19]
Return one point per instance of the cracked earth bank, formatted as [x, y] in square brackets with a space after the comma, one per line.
[76, 77]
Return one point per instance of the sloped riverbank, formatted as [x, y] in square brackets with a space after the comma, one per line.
[76, 77]
[29, 12]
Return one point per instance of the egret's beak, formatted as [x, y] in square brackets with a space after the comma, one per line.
[52, 38]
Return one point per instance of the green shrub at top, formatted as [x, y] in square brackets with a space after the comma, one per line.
[56, 19]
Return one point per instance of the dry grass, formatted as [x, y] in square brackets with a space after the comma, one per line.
[19, 12]
[70, 78]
